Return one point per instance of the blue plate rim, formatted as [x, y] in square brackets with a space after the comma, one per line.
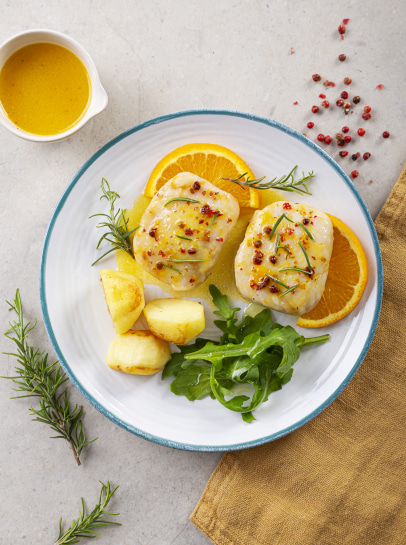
[186, 446]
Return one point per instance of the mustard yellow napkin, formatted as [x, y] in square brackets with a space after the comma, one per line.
[341, 478]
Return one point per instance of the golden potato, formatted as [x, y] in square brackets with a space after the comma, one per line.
[124, 295]
[138, 353]
[175, 320]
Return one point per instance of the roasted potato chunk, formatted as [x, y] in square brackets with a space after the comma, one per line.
[175, 320]
[124, 295]
[138, 353]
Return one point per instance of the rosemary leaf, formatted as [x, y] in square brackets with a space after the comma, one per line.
[284, 183]
[287, 291]
[277, 223]
[85, 525]
[116, 223]
[172, 268]
[214, 218]
[296, 269]
[184, 260]
[35, 377]
[185, 199]
[307, 257]
[184, 238]
[306, 230]
[276, 280]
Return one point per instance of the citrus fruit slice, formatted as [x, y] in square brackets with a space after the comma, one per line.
[346, 280]
[209, 161]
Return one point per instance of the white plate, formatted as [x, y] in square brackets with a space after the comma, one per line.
[80, 328]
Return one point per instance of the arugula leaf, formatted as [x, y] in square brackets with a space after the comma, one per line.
[251, 360]
[224, 310]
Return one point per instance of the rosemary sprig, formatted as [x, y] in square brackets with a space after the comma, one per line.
[116, 223]
[85, 525]
[284, 183]
[185, 199]
[38, 378]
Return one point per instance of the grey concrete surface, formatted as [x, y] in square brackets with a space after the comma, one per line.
[154, 58]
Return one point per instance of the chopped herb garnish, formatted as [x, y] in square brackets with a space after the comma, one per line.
[282, 284]
[290, 289]
[276, 280]
[214, 218]
[277, 223]
[277, 243]
[306, 230]
[296, 269]
[172, 268]
[285, 183]
[185, 199]
[184, 238]
[184, 260]
[306, 256]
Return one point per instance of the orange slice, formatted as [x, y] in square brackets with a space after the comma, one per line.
[346, 280]
[209, 161]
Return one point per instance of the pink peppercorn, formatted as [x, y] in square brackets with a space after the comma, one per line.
[366, 156]
[347, 139]
[361, 132]
[386, 134]
[315, 109]
[320, 137]
[344, 95]
[310, 125]
[355, 173]
[345, 129]
[325, 103]
[328, 139]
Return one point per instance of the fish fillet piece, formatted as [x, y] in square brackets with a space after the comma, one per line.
[179, 240]
[281, 237]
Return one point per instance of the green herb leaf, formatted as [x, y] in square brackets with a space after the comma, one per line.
[36, 377]
[306, 230]
[278, 222]
[185, 199]
[184, 260]
[172, 268]
[86, 525]
[116, 224]
[184, 238]
[214, 218]
[285, 183]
